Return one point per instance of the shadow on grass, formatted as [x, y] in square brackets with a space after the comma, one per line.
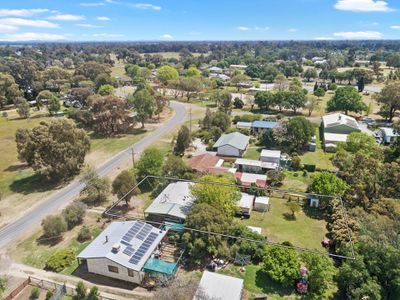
[135, 131]
[289, 216]
[32, 184]
[314, 213]
[16, 168]
[268, 286]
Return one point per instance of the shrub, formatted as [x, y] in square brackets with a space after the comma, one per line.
[60, 260]
[309, 168]
[34, 293]
[54, 226]
[49, 294]
[84, 234]
[74, 213]
[296, 162]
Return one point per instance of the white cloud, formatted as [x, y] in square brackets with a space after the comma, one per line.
[359, 35]
[4, 27]
[167, 36]
[32, 36]
[324, 38]
[103, 19]
[92, 4]
[89, 25]
[21, 12]
[255, 28]
[363, 5]
[112, 2]
[147, 6]
[30, 23]
[395, 27]
[293, 30]
[66, 17]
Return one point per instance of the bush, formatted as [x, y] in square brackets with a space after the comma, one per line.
[296, 162]
[84, 234]
[60, 260]
[34, 293]
[49, 294]
[54, 226]
[74, 213]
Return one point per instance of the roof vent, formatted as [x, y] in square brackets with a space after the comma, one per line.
[116, 248]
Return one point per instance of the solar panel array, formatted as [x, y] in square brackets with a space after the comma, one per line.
[144, 232]
[133, 231]
[143, 248]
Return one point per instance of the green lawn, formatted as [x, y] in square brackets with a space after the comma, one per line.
[306, 230]
[253, 153]
[297, 183]
[256, 282]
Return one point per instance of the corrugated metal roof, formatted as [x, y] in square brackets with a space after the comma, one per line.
[221, 287]
[265, 124]
[134, 249]
[235, 139]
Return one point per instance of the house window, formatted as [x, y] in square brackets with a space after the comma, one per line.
[113, 269]
[130, 273]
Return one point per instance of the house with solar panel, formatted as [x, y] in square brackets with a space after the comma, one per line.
[131, 251]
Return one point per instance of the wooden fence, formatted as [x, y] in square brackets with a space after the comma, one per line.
[17, 290]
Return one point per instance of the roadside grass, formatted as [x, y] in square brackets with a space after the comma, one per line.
[113, 145]
[256, 282]
[306, 230]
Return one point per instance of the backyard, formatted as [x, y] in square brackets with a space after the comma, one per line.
[306, 230]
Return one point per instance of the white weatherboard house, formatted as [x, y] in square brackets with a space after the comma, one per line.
[337, 127]
[232, 144]
[388, 135]
[122, 250]
[271, 157]
[219, 287]
[172, 204]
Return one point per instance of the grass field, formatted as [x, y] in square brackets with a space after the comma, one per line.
[306, 230]
[253, 153]
[297, 183]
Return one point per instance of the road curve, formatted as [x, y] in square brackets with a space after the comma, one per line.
[14, 230]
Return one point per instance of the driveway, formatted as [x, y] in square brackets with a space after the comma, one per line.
[52, 204]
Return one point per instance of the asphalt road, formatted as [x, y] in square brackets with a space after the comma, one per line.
[30, 220]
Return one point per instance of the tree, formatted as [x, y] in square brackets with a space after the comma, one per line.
[193, 72]
[182, 141]
[281, 265]
[150, 163]
[328, 184]
[299, 132]
[167, 73]
[346, 99]
[206, 217]
[9, 90]
[56, 149]
[74, 213]
[191, 86]
[310, 73]
[144, 104]
[239, 79]
[106, 90]
[362, 142]
[320, 274]
[92, 69]
[225, 102]
[294, 207]
[311, 104]
[275, 178]
[53, 227]
[3, 285]
[215, 191]
[23, 108]
[175, 167]
[295, 100]
[93, 294]
[96, 191]
[389, 98]
[319, 92]
[264, 100]
[54, 105]
[393, 60]
[79, 94]
[109, 115]
[296, 163]
[238, 103]
[123, 185]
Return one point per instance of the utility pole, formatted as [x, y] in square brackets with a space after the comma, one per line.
[133, 157]
[190, 119]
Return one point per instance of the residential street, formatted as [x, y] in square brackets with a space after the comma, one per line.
[29, 221]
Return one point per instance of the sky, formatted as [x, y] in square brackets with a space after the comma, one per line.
[168, 20]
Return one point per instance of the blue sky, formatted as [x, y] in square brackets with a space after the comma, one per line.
[99, 20]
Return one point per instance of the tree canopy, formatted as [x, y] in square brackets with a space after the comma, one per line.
[346, 99]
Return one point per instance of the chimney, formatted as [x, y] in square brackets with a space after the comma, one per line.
[106, 239]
